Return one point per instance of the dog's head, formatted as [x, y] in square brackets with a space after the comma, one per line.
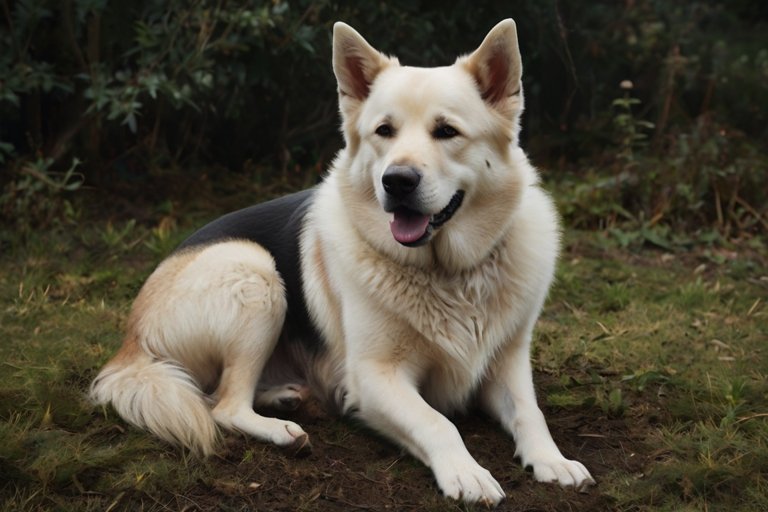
[430, 152]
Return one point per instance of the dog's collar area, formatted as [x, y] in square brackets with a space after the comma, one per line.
[412, 229]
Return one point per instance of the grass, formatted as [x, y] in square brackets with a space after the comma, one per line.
[651, 366]
[680, 351]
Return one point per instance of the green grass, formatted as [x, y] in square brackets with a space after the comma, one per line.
[681, 352]
[662, 357]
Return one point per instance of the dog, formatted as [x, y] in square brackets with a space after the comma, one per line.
[403, 288]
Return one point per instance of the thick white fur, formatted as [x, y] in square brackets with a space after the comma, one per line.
[410, 333]
[206, 319]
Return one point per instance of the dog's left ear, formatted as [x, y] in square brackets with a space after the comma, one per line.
[497, 68]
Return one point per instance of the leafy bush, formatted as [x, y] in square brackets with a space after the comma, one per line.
[132, 88]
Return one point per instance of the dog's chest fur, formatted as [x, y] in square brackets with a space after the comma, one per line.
[458, 320]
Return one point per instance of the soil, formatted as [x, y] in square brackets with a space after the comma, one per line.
[352, 468]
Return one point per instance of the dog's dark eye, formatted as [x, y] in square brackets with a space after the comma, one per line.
[385, 130]
[445, 131]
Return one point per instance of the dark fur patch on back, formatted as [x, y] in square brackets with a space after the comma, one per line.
[275, 225]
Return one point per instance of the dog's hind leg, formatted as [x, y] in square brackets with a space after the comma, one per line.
[234, 410]
[250, 313]
[207, 315]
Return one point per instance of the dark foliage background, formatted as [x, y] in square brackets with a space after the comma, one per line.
[149, 99]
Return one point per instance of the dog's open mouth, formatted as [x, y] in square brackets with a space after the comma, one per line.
[412, 228]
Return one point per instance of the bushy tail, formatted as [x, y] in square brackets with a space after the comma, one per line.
[159, 396]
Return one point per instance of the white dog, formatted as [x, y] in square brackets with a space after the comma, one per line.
[402, 288]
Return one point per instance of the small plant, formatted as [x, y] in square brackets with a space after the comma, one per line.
[631, 132]
[119, 239]
[163, 238]
[38, 197]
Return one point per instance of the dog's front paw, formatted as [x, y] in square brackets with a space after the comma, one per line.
[568, 473]
[468, 481]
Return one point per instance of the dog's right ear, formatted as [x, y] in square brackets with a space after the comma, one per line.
[355, 64]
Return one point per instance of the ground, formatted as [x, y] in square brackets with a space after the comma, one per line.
[650, 367]
[351, 468]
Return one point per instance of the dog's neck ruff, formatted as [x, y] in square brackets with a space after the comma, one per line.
[414, 229]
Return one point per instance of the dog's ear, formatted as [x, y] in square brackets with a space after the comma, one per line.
[355, 63]
[497, 68]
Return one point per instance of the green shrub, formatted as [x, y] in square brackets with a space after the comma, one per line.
[131, 88]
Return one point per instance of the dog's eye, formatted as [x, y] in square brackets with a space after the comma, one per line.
[385, 130]
[445, 131]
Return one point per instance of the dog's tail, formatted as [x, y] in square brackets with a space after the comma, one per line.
[158, 395]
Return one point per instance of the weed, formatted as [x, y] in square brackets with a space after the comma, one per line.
[632, 132]
[162, 240]
[695, 295]
[39, 196]
[617, 296]
[119, 239]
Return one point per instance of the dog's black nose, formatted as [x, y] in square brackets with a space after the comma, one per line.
[400, 180]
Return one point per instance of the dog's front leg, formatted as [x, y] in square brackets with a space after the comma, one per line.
[508, 394]
[383, 365]
[387, 400]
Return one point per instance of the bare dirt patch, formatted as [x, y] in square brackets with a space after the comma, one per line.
[352, 468]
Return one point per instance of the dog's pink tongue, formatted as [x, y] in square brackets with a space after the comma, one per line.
[408, 226]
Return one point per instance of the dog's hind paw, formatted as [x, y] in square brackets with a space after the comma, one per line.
[567, 473]
[284, 398]
[290, 437]
[300, 447]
